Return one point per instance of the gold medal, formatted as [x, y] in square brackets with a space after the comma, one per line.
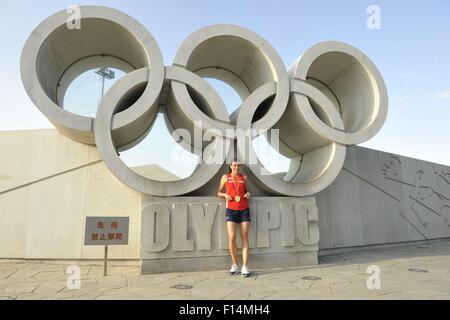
[237, 198]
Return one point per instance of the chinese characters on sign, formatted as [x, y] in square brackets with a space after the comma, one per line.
[106, 231]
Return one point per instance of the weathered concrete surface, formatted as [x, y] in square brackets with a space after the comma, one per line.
[342, 276]
[241, 58]
[48, 184]
[189, 233]
[332, 97]
[384, 198]
[106, 144]
[52, 48]
[354, 87]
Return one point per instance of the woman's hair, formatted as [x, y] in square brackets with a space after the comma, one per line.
[234, 160]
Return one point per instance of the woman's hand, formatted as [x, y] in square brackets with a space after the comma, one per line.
[247, 195]
[228, 197]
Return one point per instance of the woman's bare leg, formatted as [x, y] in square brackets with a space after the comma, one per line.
[244, 227]
[231, 228]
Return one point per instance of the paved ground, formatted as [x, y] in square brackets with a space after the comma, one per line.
[419, 271]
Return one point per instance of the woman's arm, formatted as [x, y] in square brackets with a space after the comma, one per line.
[248, 194]
[223, 181]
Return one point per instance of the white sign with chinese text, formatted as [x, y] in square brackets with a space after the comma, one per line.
[106, 231]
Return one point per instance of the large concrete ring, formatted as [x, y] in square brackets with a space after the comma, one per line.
[351, 82]
[239, 57]
[307, 139]
[206, 170]
[53, 48]
[310, 172]
[214, 114]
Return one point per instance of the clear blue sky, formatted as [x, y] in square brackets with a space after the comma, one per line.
[411, 50]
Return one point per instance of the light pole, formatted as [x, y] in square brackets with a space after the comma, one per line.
[105, 73]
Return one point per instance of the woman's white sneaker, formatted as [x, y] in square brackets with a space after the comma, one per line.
[245, 271]
[234, 269]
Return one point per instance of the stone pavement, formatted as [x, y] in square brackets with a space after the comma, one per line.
[414, 271]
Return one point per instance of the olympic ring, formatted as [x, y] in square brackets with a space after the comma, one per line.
[360, 85]
[107, 149]
[311, 173]
[331, 97]
[239, 52]
[52, 48]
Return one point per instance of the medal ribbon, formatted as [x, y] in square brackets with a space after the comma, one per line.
[236, 186]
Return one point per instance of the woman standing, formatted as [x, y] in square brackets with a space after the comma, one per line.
[237, 212]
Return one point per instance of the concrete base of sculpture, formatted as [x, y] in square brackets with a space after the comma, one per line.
[189, 233]
[274, 260]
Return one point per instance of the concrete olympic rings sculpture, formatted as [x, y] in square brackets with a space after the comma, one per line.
[331, 97]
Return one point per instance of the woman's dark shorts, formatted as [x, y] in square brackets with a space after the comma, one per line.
[238, 216]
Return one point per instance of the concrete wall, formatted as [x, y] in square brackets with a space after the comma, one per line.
[49, 184]
[383, 198]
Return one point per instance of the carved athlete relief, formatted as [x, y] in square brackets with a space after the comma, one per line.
[421, 191]
[427, 208]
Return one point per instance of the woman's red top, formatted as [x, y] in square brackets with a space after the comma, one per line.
[236, 186]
